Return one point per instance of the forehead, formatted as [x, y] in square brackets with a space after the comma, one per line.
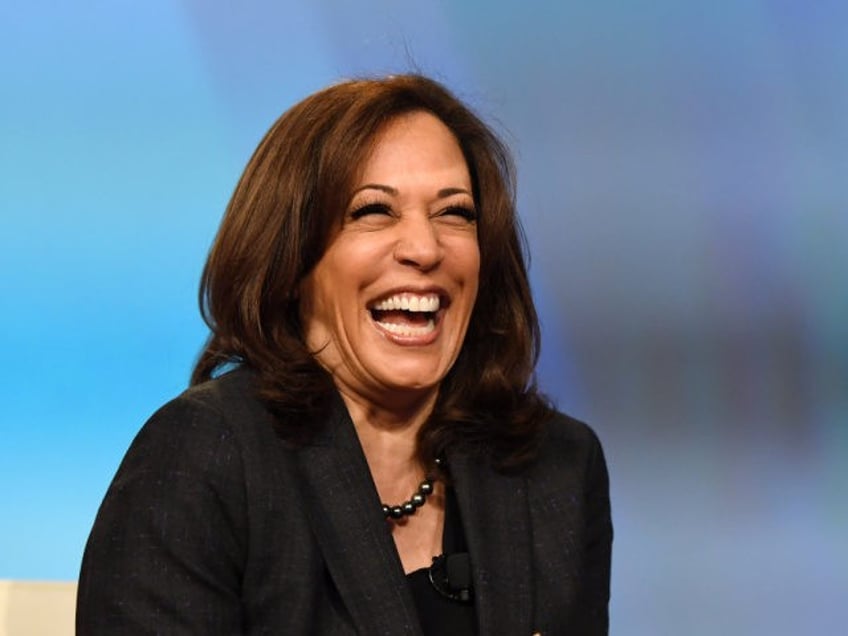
[414, 143]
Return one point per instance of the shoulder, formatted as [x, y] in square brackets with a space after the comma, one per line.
[565, 436]
[211, 408]
[193, 455]
[570, 454]
[562, 428]
[229, 395]
[203, 429]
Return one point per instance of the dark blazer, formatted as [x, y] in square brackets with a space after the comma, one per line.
[214, 525]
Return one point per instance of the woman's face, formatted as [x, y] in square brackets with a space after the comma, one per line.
[386, 308]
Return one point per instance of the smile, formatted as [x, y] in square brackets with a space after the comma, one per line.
[407, 315]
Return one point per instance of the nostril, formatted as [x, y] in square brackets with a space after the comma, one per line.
[420, 248]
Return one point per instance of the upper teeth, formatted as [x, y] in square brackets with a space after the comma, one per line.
[409, 302]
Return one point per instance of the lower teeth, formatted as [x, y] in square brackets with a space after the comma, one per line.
[407, 330]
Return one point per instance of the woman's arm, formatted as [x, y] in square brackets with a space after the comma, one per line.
[167, 549]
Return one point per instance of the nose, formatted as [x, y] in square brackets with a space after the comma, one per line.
[418, 244]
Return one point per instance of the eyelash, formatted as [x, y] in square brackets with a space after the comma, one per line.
[467, 213]
[370, 208]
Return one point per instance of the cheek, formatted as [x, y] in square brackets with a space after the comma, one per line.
[474, 281]
[470, 265]
[463, 251]
[318, 300]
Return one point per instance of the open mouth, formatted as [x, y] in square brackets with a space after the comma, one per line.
[407, 314]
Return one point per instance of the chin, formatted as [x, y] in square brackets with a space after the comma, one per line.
[400, 379]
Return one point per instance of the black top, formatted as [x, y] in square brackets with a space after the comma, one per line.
[440, 590]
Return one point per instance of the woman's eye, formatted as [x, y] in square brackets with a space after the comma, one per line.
[369, 209]
[466, 213]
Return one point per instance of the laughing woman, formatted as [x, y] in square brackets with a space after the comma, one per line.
[362, 449]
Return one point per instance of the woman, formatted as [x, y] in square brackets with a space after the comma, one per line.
[363, 449]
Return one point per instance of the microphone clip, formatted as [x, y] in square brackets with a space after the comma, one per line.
[450, 575]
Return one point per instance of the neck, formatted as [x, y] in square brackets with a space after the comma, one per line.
[397, 417]
[388, 435]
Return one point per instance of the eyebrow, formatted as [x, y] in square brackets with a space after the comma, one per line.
[443, 193]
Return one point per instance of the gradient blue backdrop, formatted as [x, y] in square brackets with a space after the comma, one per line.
[684, 186]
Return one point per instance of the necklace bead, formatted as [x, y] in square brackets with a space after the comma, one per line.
[418, 499]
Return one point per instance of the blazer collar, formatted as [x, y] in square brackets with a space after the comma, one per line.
[344, 511]
[495, 519]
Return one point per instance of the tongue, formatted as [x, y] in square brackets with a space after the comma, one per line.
[400, 317]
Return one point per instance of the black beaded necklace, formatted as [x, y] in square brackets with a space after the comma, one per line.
[407, 508]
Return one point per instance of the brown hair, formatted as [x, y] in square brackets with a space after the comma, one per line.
[293, 192]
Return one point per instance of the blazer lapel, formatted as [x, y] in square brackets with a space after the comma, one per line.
[495, 518]
[344, 511]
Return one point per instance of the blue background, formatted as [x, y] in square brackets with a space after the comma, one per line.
[683, 174]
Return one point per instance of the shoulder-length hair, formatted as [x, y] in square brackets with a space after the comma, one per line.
[293, 193]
